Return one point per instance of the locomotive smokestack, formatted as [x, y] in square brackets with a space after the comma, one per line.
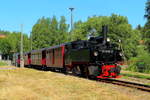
[104, 32]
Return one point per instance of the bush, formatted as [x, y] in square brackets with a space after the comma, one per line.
[140, 64]
[132, 64]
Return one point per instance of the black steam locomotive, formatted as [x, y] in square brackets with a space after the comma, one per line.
[96, 57]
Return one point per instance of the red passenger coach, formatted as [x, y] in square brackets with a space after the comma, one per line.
[55, 56]
[48, 57]
[27, 59]
[38, 57]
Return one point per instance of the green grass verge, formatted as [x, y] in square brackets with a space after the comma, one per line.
[136, 75]
[3, 63]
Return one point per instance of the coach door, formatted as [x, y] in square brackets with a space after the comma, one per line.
[29, 58]
[44, 57]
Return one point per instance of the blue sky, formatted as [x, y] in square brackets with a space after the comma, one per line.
[27, 12]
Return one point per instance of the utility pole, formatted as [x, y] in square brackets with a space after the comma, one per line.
[21, 48]
[71, 9]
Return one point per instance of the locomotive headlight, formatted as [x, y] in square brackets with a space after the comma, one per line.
[120, 54]
[95, 53]
[108, 39]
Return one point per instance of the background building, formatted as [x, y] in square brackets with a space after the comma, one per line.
[2, 36]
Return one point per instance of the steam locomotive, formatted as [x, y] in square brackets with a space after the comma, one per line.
[94, 58]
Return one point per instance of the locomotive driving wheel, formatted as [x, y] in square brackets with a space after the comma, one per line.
[81, 71]
[76, 70]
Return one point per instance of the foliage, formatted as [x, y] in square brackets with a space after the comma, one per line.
[147, 38]
[4, 32]
[147, 14]
[147, 25]
[141, 63]
[47, 32]
[11, 43]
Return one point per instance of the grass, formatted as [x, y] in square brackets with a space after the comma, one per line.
[30, 84]
[2, 63]
[135, 74]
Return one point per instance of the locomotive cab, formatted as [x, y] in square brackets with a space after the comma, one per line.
[77, 53]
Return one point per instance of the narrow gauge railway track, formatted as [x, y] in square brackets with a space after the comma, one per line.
[127, 84]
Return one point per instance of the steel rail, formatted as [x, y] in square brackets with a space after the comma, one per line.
[139, 86]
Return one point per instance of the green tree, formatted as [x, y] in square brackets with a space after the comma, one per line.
[11, 43]
[40, 33]
[63, 30]
[147, 14]
[147, 25]
[4, 32]
[49, 31]
[54, 31]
